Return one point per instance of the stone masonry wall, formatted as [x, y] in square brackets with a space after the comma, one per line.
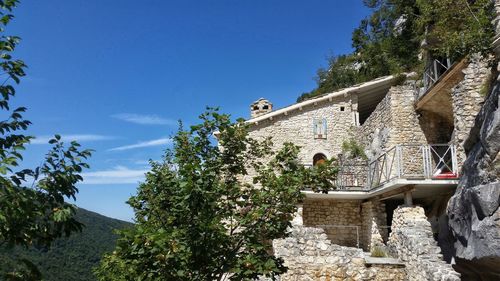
[374, 132]
[466, 101]
[309, 255]
[393, 122]
[340, 219]
[297, 127]
[374, 220]
[412, 241]
[404, 118]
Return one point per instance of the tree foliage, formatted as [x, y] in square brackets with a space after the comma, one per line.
[352, 150]
[33, 210]
[342, 72]
[389, 40]
[69, 258]
[198, 219]
[457, 28]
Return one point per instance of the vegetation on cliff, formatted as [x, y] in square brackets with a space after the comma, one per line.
[393, 38]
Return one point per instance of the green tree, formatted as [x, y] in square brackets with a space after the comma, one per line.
[386, 41]
[33, 211]
[197, 219]
[342, 72]
[390, 39]
[456, 29]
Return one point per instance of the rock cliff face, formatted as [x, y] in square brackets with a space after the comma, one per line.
[473, 211]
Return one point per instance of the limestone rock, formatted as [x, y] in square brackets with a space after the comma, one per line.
[473, 211]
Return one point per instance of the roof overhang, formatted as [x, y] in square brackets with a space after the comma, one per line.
[362, 88]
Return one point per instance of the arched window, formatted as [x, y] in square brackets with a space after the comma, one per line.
[319, 159]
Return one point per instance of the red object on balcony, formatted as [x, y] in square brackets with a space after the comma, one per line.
[446, 175]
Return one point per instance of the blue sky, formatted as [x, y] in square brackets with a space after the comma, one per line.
[117, 75]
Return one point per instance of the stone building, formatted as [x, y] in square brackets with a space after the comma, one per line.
[413, 136]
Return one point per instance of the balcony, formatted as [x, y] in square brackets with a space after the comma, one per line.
[420, 166]
[438, 78]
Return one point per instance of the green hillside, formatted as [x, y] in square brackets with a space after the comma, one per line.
[73, 258]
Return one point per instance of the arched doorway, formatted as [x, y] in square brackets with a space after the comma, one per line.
[319, 159]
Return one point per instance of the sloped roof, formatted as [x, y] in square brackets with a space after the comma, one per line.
[359, 89]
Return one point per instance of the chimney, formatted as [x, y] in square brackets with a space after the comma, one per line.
[260, 107]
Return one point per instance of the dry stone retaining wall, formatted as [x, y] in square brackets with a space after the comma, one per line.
[467, 100]
[309, 255]
[374, 220]
[411, 240]
[341, 219]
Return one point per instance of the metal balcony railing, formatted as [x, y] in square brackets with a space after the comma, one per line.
[353, 175]
[434, 161]
[434, 71]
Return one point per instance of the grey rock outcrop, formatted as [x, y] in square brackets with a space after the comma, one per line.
[474, 216]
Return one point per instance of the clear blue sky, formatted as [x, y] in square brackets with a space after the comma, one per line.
[116, 75]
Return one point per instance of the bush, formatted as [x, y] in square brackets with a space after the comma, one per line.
[378, 252]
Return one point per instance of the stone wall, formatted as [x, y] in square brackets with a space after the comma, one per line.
[297, 127]
[309, 255]
[411, 240]
[466, 101]
[348, 222]
[393, 122]
[436, 127]
[341, 219]
[374, 132]
[374, 221]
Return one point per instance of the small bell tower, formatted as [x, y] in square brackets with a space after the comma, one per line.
[260, 107]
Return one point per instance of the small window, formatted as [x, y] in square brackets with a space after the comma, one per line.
[265, 107]
[342, 108]
[319, 128]
[319, 159]
[255, 107]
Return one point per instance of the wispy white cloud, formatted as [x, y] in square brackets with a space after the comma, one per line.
[151, 143]
[144, 119]
[80, 138]
[142, 162]
[117, 175]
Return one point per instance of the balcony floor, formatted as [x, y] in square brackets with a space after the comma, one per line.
[422, 188]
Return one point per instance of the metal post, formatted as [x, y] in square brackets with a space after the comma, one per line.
[399, 162]
[436, 76]
[454, 161]
[424, 160]
[357, 236]
[427, 162]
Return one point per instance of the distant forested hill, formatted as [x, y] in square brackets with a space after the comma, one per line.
[72, 259]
